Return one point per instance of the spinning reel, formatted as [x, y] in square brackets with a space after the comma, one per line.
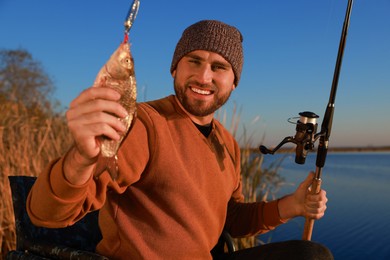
[305, 137]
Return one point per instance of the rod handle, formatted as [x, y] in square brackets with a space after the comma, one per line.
[309, 223]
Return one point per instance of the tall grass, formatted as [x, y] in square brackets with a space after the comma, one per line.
[259, 183]
[27, 143]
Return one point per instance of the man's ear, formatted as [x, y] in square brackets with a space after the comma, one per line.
[233, 87]
[173, 73]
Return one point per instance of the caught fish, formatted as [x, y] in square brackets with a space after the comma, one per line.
[118, 73]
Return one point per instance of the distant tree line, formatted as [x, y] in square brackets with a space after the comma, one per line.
[23, 80]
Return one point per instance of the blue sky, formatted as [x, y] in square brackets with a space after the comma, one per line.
[290, 50]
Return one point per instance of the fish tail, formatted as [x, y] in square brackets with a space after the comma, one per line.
[109, 164]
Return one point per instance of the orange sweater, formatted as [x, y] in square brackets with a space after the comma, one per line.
[175, 193]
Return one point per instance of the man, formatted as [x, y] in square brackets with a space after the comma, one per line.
[179, 180]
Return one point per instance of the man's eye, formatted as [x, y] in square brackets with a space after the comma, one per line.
[194, 61]
[219, 67]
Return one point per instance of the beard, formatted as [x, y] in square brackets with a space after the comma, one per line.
[200, 107]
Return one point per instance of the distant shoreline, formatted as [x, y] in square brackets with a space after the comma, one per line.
[341, 149]
[360, 149]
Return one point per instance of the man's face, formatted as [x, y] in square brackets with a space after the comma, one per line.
[203, 82]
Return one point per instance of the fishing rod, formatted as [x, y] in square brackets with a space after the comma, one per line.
[306, 128]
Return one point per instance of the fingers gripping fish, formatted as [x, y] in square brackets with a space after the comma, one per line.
[118, 73]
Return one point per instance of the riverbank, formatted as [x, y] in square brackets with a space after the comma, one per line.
[360, 149]
[336, 149]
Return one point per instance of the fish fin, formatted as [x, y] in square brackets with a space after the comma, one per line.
[109, 164]
[112, 167]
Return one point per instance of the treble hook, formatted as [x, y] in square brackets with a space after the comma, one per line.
[130, 17]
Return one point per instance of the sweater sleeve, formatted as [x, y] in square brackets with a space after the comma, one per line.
[55, 202]
[248, 219]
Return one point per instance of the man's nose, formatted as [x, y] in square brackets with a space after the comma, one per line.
[205, 74]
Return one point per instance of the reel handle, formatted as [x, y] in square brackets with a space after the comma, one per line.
[304, 137]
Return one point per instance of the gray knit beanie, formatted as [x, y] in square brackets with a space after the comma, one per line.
[215, 36]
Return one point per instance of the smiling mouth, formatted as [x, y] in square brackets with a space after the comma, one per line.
[201, 91]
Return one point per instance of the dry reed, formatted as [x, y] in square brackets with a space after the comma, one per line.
[27, 143]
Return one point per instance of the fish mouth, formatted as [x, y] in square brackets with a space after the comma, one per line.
[204, 92]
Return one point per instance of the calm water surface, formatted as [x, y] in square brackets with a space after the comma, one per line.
[357, 221]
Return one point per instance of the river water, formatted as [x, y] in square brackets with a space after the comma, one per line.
[357, 221]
